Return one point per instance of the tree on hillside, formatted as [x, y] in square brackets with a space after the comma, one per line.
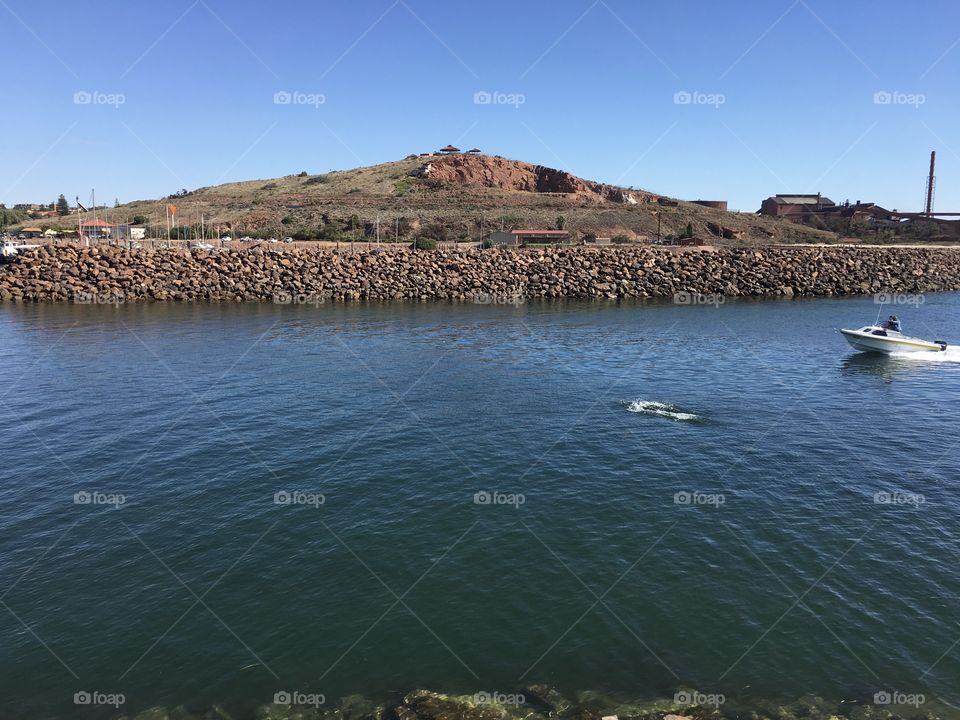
[561, 222]
[116, 202]
[63, 207]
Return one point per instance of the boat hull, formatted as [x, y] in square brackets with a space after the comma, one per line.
[868, 342]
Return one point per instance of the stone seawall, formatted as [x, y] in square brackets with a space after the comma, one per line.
[107, 274]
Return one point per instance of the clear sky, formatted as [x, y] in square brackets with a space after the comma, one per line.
[692, 98]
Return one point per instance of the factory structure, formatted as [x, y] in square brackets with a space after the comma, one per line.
[806, 207]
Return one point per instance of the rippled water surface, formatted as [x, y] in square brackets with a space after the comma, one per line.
[627, 498]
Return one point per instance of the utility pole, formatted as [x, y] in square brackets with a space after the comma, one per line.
[658, 227]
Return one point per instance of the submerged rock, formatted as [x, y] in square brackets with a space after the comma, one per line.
[547, 699]
[426, 705]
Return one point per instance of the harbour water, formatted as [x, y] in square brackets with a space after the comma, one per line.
[207, 504]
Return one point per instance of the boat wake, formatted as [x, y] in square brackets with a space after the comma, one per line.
[950, 355]
[659, 409]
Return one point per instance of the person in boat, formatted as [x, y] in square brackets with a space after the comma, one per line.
[891, 323]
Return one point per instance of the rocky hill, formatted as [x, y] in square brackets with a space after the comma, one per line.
[497, 172]
[449, 197]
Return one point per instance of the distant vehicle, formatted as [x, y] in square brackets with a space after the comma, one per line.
[273, 240]
[226, 239]
[246, 238]
[202, 246]
[288, 239]
[9, 248]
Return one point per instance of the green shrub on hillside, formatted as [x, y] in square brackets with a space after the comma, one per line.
[424, 243]
[404, 185]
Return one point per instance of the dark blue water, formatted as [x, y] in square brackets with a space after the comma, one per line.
[685, 497]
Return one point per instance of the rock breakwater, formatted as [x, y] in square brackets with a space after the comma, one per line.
[115, 275]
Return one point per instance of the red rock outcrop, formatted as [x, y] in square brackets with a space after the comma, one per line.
[497, 172]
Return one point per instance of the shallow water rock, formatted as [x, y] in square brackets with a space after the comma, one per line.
[547, 698]
[275, 711]
[426, 705]
[359, 707]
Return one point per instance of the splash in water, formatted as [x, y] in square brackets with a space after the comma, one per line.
[659, 409]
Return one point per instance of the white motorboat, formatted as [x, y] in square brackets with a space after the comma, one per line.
[9, 248]
[874, 338]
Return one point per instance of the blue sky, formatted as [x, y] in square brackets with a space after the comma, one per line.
[713, 100]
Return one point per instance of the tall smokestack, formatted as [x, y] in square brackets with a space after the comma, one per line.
[931, 179]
